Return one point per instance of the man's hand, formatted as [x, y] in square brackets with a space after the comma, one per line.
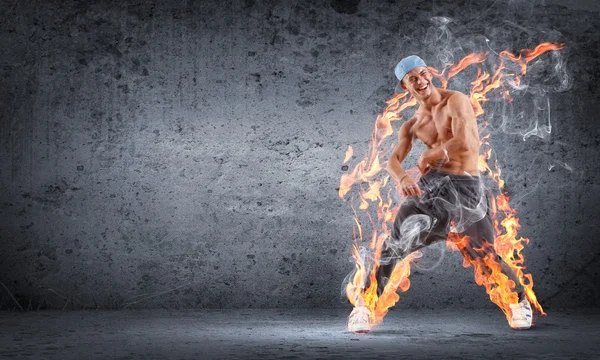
[424, 163]
[408, 187]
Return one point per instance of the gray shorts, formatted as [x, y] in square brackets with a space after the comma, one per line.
[447, 199]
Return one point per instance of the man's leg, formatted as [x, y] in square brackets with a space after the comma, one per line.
[521, 315]
[472, 217]
[481, 243]
[416, 226]
[420, 222]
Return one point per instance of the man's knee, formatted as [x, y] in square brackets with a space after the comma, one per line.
[408, 208]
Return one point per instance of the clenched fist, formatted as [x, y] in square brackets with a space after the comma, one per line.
[408, 187]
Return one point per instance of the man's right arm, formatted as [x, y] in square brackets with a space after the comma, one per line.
[408, 186]
[394, 165]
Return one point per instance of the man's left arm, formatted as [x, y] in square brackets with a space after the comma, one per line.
[460, 111]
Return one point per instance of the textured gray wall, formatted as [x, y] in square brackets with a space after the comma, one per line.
[189, 154]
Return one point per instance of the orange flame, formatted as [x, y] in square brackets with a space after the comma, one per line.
[349, 153]
[507, 244]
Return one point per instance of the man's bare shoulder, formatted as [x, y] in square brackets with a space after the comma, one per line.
[460, 106]
[407, 128]
[456, 98]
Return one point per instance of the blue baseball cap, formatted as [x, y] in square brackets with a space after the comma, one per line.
[405, 65]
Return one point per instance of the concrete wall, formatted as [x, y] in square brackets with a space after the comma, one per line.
[189, 154]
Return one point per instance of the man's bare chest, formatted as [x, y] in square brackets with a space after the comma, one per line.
[433, 127]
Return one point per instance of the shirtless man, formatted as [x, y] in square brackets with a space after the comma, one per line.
[448, 190]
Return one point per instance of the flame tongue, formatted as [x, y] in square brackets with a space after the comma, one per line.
[507, 243]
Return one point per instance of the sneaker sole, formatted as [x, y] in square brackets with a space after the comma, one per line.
[359, 329]
[521, 328]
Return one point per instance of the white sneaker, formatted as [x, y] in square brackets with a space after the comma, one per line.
[358, 321]
[521, 315]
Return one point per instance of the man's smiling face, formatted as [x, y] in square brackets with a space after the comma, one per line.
[418, 82]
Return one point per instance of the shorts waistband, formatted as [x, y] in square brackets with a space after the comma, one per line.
[435, 174]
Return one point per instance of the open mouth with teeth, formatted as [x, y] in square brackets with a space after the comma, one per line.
[423, 88]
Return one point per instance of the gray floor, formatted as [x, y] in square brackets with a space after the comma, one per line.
[295, 334]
